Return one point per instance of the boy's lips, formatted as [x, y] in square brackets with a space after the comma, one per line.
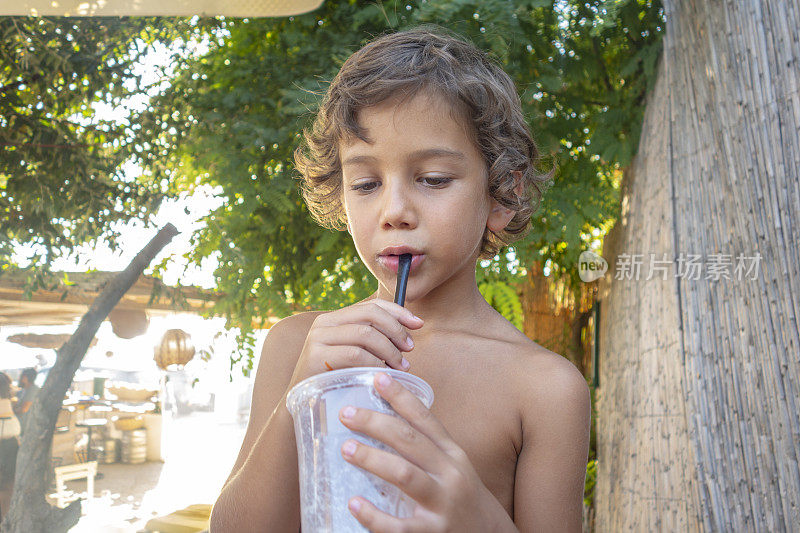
[391, 260]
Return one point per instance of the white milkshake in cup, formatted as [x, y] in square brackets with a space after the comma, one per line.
[327, 481]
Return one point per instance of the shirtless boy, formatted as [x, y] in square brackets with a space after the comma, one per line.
[421, 147]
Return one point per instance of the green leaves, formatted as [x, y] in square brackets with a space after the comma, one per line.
[60, 178]
[504, 299]
[232, 119]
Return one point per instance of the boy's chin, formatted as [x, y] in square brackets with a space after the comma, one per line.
[388, 287]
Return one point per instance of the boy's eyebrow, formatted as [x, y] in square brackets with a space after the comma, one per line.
[425, 153]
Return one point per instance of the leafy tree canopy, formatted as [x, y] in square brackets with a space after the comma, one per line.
[232, 118]
[61, 182]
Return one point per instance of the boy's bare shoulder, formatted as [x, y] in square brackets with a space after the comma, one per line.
[283, 345]
[550, 389]
[539, 375]
[542, 363]
[295, 326]
[522, 350]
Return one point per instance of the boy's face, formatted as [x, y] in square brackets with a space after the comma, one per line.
[398, 192]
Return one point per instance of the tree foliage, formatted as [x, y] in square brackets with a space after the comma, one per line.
[232, 118]
[61, 180]
[504, 299]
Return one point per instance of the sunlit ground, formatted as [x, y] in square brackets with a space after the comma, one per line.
[199, 451]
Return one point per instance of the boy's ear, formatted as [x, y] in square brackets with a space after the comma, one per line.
[518, 188]
[500, 216]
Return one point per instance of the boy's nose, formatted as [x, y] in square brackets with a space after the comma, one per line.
[398, 209]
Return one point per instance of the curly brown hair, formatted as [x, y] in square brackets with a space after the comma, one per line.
[426, 58]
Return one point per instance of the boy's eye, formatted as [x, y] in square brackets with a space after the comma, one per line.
[366, 186]
[431, 181]
[436, 181]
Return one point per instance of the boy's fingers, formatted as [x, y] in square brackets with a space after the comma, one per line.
[413, 446]
[408, 406]
[406, 317]
[384, 322]
[344, 356]
[366, 337]
[373, 519]
[397, 470]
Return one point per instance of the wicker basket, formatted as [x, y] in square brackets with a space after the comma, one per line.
[129, 423]
[127, 394]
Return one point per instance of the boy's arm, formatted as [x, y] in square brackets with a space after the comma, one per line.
[551, 468]
[262, 492]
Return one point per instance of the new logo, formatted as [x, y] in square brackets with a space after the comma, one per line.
[591, 266]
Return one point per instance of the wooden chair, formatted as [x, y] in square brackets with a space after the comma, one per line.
[76, 471]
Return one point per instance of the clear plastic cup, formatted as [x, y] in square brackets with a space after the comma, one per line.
[327, 481]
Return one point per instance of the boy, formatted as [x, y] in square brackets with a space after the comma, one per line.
[420, 147]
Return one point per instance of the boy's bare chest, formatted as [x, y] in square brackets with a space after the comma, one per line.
[475, 401]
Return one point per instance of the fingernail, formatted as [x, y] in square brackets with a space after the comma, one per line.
[349, 448]
[384, 380]
[410, 342]
[405, 364]
[415, 317]
[355, 505]
[348, 412]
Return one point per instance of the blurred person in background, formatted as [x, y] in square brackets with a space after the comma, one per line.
[26, 394]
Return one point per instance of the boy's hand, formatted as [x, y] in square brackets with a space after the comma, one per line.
[364, 334]
[432, 469]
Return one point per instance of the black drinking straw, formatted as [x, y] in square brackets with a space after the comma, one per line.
[403, 268]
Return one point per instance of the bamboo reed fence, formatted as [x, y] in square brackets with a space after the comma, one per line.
[552, 315]
[699, 398]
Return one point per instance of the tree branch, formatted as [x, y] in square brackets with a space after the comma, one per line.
[15, 85]
[29, 511]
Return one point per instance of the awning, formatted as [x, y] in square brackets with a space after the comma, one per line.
[169, 8]
[65, 303]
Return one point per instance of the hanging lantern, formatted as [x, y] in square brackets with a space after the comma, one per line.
[176, 348]
[128, 323]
